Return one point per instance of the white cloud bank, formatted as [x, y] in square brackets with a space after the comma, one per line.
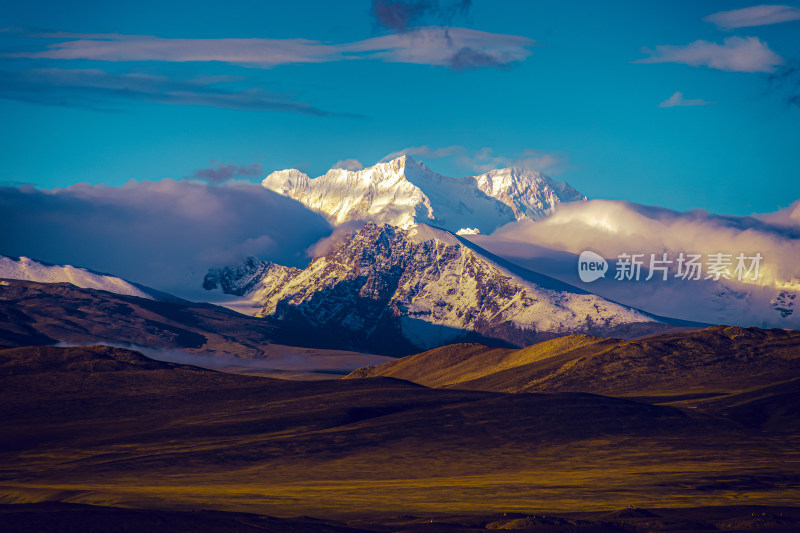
[551, 246]
[163, 234]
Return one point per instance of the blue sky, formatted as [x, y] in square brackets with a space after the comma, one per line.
[682, 104]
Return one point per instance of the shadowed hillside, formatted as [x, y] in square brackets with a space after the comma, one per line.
[34, 313]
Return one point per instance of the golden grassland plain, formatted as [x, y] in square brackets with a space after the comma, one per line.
[598, 474]
[107, 426]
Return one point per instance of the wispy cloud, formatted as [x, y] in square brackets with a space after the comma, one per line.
[754, 16]
[427, 152]
[399, 15]
[122, 47]
[100, 90]
[485, 159]
[349, 164]
[457, 48]
[221, 172]
[677, 100]
[737, 54]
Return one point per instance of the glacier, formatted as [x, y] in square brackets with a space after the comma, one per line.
[403, 192]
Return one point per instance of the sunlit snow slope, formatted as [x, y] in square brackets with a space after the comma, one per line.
[30, 270]
[403, 191]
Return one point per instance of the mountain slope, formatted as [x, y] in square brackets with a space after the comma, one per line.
[24, 268]
[395, 291]
[207, 335]
[715, 360]
[49, 359]
[767, 297]
[402, 192]
[530, 194]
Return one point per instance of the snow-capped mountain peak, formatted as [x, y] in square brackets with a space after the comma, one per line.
[422, 287]
[380, 192]
[403, 192]
[529, 193]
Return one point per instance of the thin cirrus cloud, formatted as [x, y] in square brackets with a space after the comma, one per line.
[103, 91]
[736, 54]
[427, 152]
[221, 172]
[457, 48]
[678, 100]
[485, 159]
[123, 47]
[754, 16]
[91, 88]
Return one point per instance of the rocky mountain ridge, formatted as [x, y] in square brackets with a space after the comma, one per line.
[422, 287]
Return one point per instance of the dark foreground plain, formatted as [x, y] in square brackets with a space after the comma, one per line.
[52, 517]
[99, 439]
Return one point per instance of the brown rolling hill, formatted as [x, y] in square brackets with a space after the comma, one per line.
[459, 363]
[712, 361]
[34, 313]
[108, 427]
[45, 387]
[774, 408]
